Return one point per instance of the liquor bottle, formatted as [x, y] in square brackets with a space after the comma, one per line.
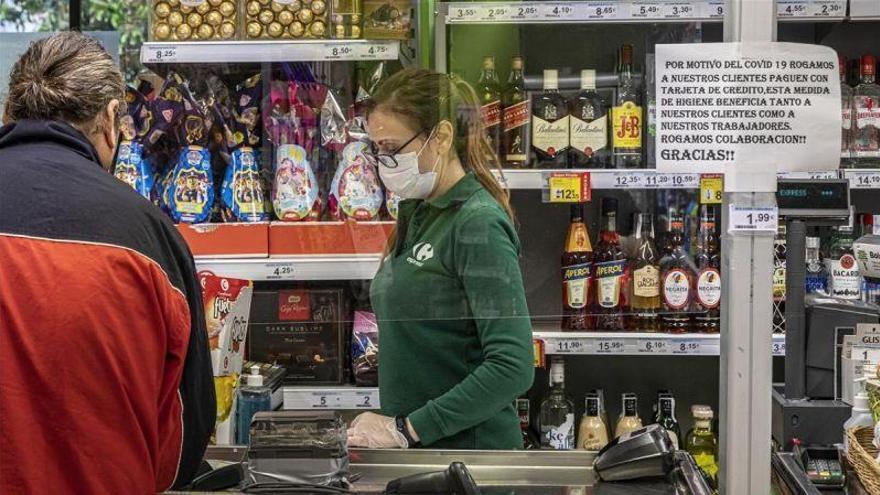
[523, 410]
[644, 301]
[490, 100]
[626, 116]
[517, 118]
[588, 124]
[779, 251]
[557, 412]
[866, 103]
[629, 419]
[592, 432]
[655, 408]
[610, 272]
[844, 280]
[577, 273]
[676, 272]
[707, 300]
[666, 418]
[846, 115]
[870, 225]
[651, 112]
[701, 442]
[816, 279]
[550, 124]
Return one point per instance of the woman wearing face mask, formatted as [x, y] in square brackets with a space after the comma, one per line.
[456, 334]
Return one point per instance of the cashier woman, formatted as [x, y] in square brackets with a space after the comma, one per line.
[456, 339]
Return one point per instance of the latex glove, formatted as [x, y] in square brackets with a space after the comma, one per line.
[374, 431]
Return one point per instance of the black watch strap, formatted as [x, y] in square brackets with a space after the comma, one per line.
[401, 427]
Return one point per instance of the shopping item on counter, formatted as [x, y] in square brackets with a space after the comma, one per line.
[243, 196]
[355, 192]
[194, 20]
[387, 19]
[286, 19]
[365, 349]
[132, 166]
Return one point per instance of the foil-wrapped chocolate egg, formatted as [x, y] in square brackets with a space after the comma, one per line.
[173, 3]
[337, 19]
[183, 32]
[318, 7]
[175, 19]
[203, 8]
[275, 29]
[355, 31]
[266, 17]
[214, 18]
[285, 17]
[264, 2]
[162, 10]
[277, 7]
[227, 30]
[254, 30]
[227, 9]
[305, 16]
[205, 32]
[296, 29]
[338, 31]
[253, 8]
[294, 6]
[318, 29]
[162, 31]
[215, 3]
[355, 18]
[186, 9]
[194, 20]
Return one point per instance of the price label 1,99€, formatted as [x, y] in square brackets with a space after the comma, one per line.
[567, 187]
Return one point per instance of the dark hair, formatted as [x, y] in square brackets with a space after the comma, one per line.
[424, 99]
[67, 76]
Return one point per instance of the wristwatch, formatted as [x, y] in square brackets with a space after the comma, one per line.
[400, 422]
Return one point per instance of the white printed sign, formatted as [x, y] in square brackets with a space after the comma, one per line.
[753, 218]
[747, 106]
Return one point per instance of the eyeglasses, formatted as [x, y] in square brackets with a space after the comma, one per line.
[387, 159]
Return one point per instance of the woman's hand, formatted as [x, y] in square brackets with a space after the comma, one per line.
[374, 431]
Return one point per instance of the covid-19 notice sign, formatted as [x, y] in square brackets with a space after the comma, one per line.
[724, 107]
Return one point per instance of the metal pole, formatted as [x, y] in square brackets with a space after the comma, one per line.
[746, 304]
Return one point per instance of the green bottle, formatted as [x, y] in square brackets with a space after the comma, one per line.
[701, 441]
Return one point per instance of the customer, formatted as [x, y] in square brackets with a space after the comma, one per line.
[456, 338]
[105, 376]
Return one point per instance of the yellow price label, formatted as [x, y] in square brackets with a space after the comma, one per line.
[568, 187]
[711, 189]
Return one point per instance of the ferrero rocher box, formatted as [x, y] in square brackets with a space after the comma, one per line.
[285, 19]
[387, 19]
[194, 20]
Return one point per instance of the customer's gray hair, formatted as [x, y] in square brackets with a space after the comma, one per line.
[67, 76]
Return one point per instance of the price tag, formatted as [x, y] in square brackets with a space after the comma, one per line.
[779, 347]
[687, 347]
[559, 11]
[524, 13]
[864, 180]
[601, 11]
[646, 10]
[753, 219]
[792, 8]
[672, 181]
[567, 187]
[610, 346]
[653, 346]
[823, 175]
[279, 271]
[361, 399]
[628, 180]
[462, 14]
[678, 10]
[325, 400]
[711, 189]
[827, 8]
[569, 346]
[160, 55]
[370, 51]
[338, 52]
[540, 355]
[714, 9]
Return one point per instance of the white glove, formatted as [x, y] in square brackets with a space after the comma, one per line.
[374, 431]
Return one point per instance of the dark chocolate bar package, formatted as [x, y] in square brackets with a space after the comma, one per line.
[304, 330]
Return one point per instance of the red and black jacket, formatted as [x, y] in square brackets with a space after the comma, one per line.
[105, 373]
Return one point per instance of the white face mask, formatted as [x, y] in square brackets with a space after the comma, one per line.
[406, 180]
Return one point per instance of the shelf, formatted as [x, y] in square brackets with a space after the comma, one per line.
[330, 398]
[864, 10]
[604, 179]
[638, 344]
[581, 12]
[267, 51]
[811, 10]
[294, 267]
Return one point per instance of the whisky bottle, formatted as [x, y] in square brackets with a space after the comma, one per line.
[707, 300]
[517, 118]
[588, 125]
[610, 273]
[644, 301]
[577, 273]
[675, 279]
[846, 115]
[557, 412]
[490, 101]
[627, 115]
[866, 103]
[550, 124]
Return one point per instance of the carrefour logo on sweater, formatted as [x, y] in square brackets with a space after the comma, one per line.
[421, 253]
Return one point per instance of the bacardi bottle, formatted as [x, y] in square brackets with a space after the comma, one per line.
[707, 299]
[844, 279]
[779, 251]
[557, 412]
[846, 114]
[644, 303]
[866, 103]
[517, 118]
[627, 115]
[588, 124]
[490, 100]
[816, 279]
[676, 279]
[610, 273]
[577, 273]
[550, 124]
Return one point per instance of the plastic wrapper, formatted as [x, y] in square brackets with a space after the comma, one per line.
[346, 21]
[193, 20]
[295, 189]
[132, 166]
[285, 19]
[365, 349]
[355, 192]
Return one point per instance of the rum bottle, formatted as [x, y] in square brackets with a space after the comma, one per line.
[610, 273]
[550, 124]
[846, 115]
[675, 280]
[707, 299]
[588, 124]
[490, 104]
[644, 301]
[557, 412]
[517, 118]
[627, 115]
[844, 279]
[577, 272]
[666, 418]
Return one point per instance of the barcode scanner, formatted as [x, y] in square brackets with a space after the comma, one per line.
[456, 480]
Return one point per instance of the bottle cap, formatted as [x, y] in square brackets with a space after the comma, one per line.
[255, 379]
[702, 412]
[489, 63]
[551, 79]
[869, 63]
[557, 371]
[813, 243]
[588, 79]
[516, 63]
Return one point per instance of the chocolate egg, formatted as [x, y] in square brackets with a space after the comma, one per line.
[254, 30]
[183, 32]
[205, 32]
[275, 29]
[318, 29]
[227, 30]
[214, 18]
[355, 31]
[227, 9]
[355, 18]
[285, 17]
[339, 31]
[175, 19]
[253, 8]
[162, 31]
[194, 20]
[162, 10]
[277, 7]
[173, 3]
[266, 17]
[318, 7]
[203, 8]
[296, 29]
[305, 16]
[294, 6]
[264, 2]
[186, 9]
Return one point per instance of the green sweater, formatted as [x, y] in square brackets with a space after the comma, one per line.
[455, 334]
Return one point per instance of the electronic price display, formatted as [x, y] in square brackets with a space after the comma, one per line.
[811, 198]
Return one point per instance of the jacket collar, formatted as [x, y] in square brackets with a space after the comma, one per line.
[47, 131]
[458, 194]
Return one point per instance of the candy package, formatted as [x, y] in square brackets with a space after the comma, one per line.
[295, 190]
[391, 203]
[355, 192]
[365, 349]
[132, 165]
[243, 195]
